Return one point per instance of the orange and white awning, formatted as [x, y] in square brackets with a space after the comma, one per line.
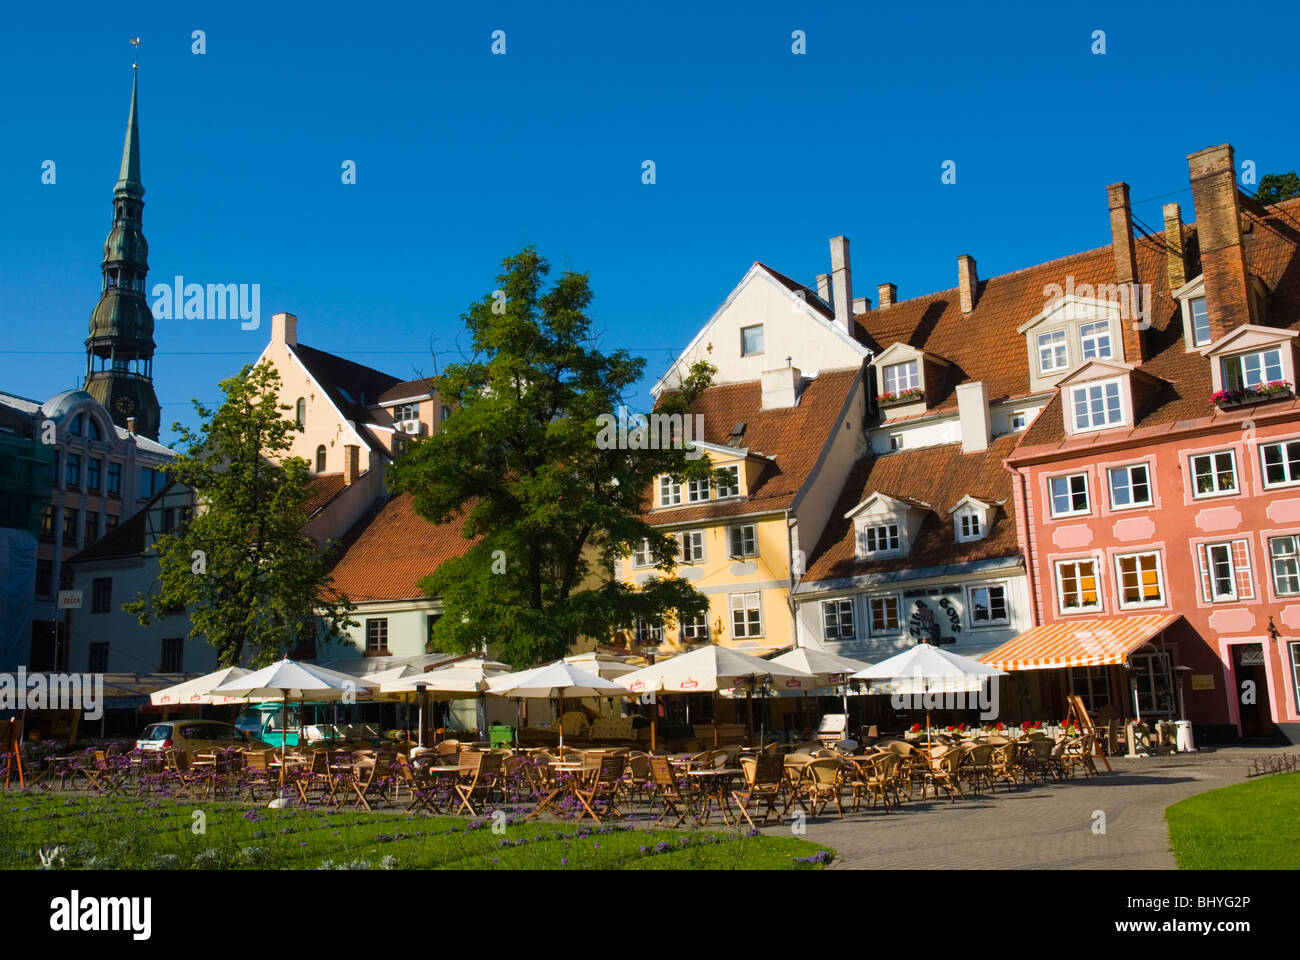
[1078, 643]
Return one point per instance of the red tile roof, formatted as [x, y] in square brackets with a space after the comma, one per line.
[939, 477]
[321, 489]
[407, 389]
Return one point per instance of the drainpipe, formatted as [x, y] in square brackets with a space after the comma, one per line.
[789, 593]
[1022, 531]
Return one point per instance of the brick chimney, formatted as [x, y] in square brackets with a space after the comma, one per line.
[130, 424]
[1218, 231]
[841, 283]
[1125, 253]
[284, 329]
[968, 281]
[824, 286]
[886, 295]
[1175, 257]
[351, 463]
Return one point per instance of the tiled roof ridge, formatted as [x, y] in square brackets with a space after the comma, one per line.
[351, 363]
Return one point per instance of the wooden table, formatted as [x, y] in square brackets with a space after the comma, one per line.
[713, 783]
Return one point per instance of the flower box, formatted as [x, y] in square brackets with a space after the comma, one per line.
[1275, 390]
[903, 396]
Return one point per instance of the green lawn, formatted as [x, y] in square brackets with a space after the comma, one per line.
[145, 834]
[1251, 826]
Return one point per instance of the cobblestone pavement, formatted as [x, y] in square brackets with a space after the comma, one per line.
[1044, 827]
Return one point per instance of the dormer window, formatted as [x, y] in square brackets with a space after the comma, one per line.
[898, 377]
[1096, 406]
[968, 527]
[670, 492]
[1095, 338]
[1249, 371]
[727, 482]
[971, 519]
[882, 538]
[697, 491]
[1200, 321]
[1053, 356]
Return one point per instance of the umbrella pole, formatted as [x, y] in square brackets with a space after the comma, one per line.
[715, 719]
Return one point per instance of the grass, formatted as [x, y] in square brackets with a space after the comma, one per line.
[1251, 826]
[150, 834]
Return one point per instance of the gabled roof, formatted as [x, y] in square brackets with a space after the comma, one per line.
[321, 489]
[351, 387]
[408, 390]
[940, 477]
[791, 438]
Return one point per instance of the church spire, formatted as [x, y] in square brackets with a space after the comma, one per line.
[119, 350]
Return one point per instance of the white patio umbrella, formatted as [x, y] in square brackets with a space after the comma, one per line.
[199, 690]
[708, 670]
[555, 680]
[924, 669]
[829, 669]
[459, 680]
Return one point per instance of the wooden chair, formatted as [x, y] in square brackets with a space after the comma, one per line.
[1078, 753]
[604, 787]
[1003, 766]
[822, 783]
[257, 773]
[174, 767]
[764, 784]
[479, 781]
[432, 785]
[637, 780]
[976, 765]
[942, 772]
[669, 789]
[876, 778]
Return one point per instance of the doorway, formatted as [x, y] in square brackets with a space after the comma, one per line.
[1252, 690]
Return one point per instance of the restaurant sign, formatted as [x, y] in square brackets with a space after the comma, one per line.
[1202, 681]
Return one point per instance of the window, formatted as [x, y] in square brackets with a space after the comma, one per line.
[173, 655]
[1052, 354]
[1139, 580]
[93, 430]
[744, 541]
[670, 492]
[300, 412]
[1252, 370]
[837, 620]
[1295, 667]
[47, 523]
[1225, 571]
[695, 628]
[1069, 494]
[94, 471]
[148, 482]
[895, 441]
[1097, 405]
[376, 634]
[110, 523]
[751, 340]
[92, 527]
[641, 556]
[648, 633]
[1095, 338]
[1154, 682]
[1076, 585]
[407, 411]
[70, 519]
[879, 539]
[44, 577]
[988, 605]
[114, 479]
[1284, 554]
[884, 614]
[1200, 322]
[320, 458]
[444, 413]
[690, 546]
[1214, 473]
[101, 595]
[1130, 486]
[968, 526]
[72, 470]
[727, 482]
[1281, 463]
[902, 376]
[697, 490]
[98, 658]
[75, 427]
[746, 615]
[1019, 420]
[1092, 684]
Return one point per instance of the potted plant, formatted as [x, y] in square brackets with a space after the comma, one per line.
[1244, 395]
[909, 395]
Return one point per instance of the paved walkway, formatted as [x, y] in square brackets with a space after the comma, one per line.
[1044, 827]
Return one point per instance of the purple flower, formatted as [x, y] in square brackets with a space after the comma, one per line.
[564, 861]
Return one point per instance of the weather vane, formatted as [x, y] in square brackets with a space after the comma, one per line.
[135, 42]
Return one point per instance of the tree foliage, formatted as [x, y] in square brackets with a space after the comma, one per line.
[251, 579]
[548, 508]
[1275, 187]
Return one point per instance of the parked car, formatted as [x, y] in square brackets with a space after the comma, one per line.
[193, 736]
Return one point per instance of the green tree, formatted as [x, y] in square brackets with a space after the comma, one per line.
[548, 508]
[1274, 187]
[252, 581]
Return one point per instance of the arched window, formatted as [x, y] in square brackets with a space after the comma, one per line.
[320, 459]
[75, 428]
[94, 429]
[300, 413]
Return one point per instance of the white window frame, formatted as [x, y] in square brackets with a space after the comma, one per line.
[1109, 390]
[745, 603]
[1239, 360]
[837, 610]
[1215, 596]
[647, 632]
[972, 606]
[1192, 320]
[642, 557]
[695, 628]
[901, 376]
[1090, 336]
[1060, 585]
[1055, 347]
[762, 345]
[726, 490]
[1127, 471]
[1292, 480]
[871, 615]
[739, 530]
[1022, 425]
[969, 527]
[1070, 493]
[697, 491]
[687, 541]
[1160, 601]
[1293, 556]
[1212, 456]
[670, 491]
[892, 536]
[895, 441]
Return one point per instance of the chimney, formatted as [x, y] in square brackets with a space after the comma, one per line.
[1175, 258]
[1125, 252]
[887, 295]
[973, 412]
[824, 286]
[351, 463]
[841, 283]
[1218, 231]
[780, 387]
[861, 305]
[284, 329]
[130, 424]
[968, 281]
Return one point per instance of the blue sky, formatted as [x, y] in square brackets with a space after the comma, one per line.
[463, 157]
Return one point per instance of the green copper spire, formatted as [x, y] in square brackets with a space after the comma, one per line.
[128, 180]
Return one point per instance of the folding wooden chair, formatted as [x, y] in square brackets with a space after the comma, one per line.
[763, 783]
[603, 786]
[432, 785]
[174, 769]
[257, 773]
[669, 789]
[482, 780]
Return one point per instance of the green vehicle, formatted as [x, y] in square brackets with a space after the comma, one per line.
[266, 722]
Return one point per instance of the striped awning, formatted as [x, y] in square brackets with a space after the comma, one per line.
[1078, 643]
